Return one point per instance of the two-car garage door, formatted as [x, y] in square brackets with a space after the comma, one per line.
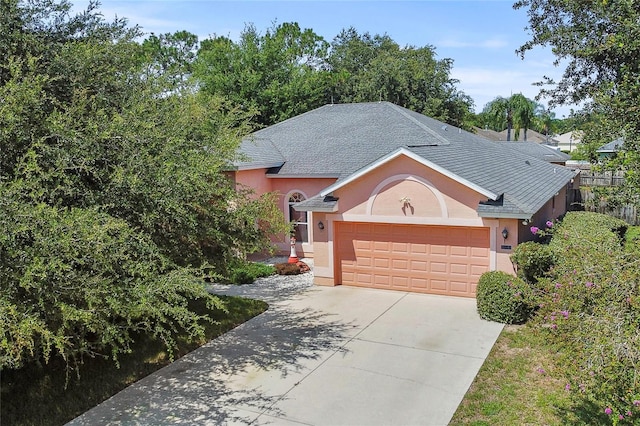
[443, 260]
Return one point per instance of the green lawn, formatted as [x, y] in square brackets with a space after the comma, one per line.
[519, 384]
[36, 395]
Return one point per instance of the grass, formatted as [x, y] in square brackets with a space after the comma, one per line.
[519, 384]
[36, 395]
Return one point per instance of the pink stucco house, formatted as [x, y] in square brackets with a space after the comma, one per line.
[388, 198]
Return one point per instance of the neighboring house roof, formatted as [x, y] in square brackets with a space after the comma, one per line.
[569, 141]
[346, 140]
[611, 147]
[539, 151]
[532, 136]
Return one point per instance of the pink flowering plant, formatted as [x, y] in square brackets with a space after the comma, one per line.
[590, 310]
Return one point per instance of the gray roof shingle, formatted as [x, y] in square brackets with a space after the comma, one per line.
[342, 139]
[539, 151]
[612, 146]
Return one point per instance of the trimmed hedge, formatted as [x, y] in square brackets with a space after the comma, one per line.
[533, 260]
[503, 298]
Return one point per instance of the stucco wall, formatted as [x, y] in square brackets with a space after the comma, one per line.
[430, 194]
[505, 246]
[552, 209]
[254, 179]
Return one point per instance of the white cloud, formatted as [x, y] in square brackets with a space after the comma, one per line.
[484, 84]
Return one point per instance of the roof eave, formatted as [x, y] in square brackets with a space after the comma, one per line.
[323, 209]
[303, 176]
[505, 215]
[255, 166]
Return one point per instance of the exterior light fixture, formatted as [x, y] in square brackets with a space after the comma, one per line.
[505, 233]
[320, 225]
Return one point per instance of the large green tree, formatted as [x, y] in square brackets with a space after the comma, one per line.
[598, 43]
[279, 74]
[112, 188]
[171, 55]
[369, 68]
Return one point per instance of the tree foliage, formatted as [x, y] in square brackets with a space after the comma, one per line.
[515, 112]
[279, 74]
[112, 186]
[171, 56]
[288, 71]
[369, 68]
[591, 312]
[600, 43]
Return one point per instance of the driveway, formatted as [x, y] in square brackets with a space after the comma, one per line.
[319, 356]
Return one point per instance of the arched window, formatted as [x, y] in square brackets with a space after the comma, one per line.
[300, 227]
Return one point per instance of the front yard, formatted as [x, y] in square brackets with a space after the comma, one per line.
[574, 361]
[520, 383]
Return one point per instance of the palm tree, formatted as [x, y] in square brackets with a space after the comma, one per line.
[544, 119]
[500, 113]
[523, 114]
[516, 110]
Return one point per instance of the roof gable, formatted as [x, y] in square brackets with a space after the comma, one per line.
[400, 152]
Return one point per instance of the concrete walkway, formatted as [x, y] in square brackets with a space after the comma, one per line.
[321, 356]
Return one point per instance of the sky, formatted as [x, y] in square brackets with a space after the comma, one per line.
[481, 36]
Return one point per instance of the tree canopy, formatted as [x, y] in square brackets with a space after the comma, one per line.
[369, 68]
[112, 186]
[288, 71]
[279, 74]
[515, 112]
[600, 43]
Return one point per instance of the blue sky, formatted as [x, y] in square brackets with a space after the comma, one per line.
[481, 36]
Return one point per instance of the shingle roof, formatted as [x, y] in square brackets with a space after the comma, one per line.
[532, 136]
[345, 138]
[539, 151]
[258, 153]
[612, 146]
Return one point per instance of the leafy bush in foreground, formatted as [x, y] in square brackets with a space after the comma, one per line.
[533, 260]
[591, 311]
[503, 298]
[79, 283]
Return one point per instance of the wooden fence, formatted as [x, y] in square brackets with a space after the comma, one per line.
[589, 179]
[607, 178]
[627, 212]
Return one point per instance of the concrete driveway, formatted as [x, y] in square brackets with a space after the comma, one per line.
[322, 356]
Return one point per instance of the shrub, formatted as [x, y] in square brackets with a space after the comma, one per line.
[591, 312]
[287, 268]
[582, 237]
[296, 268]
[77, 283]
[503, 298]
[247, 272]
[533, 260]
